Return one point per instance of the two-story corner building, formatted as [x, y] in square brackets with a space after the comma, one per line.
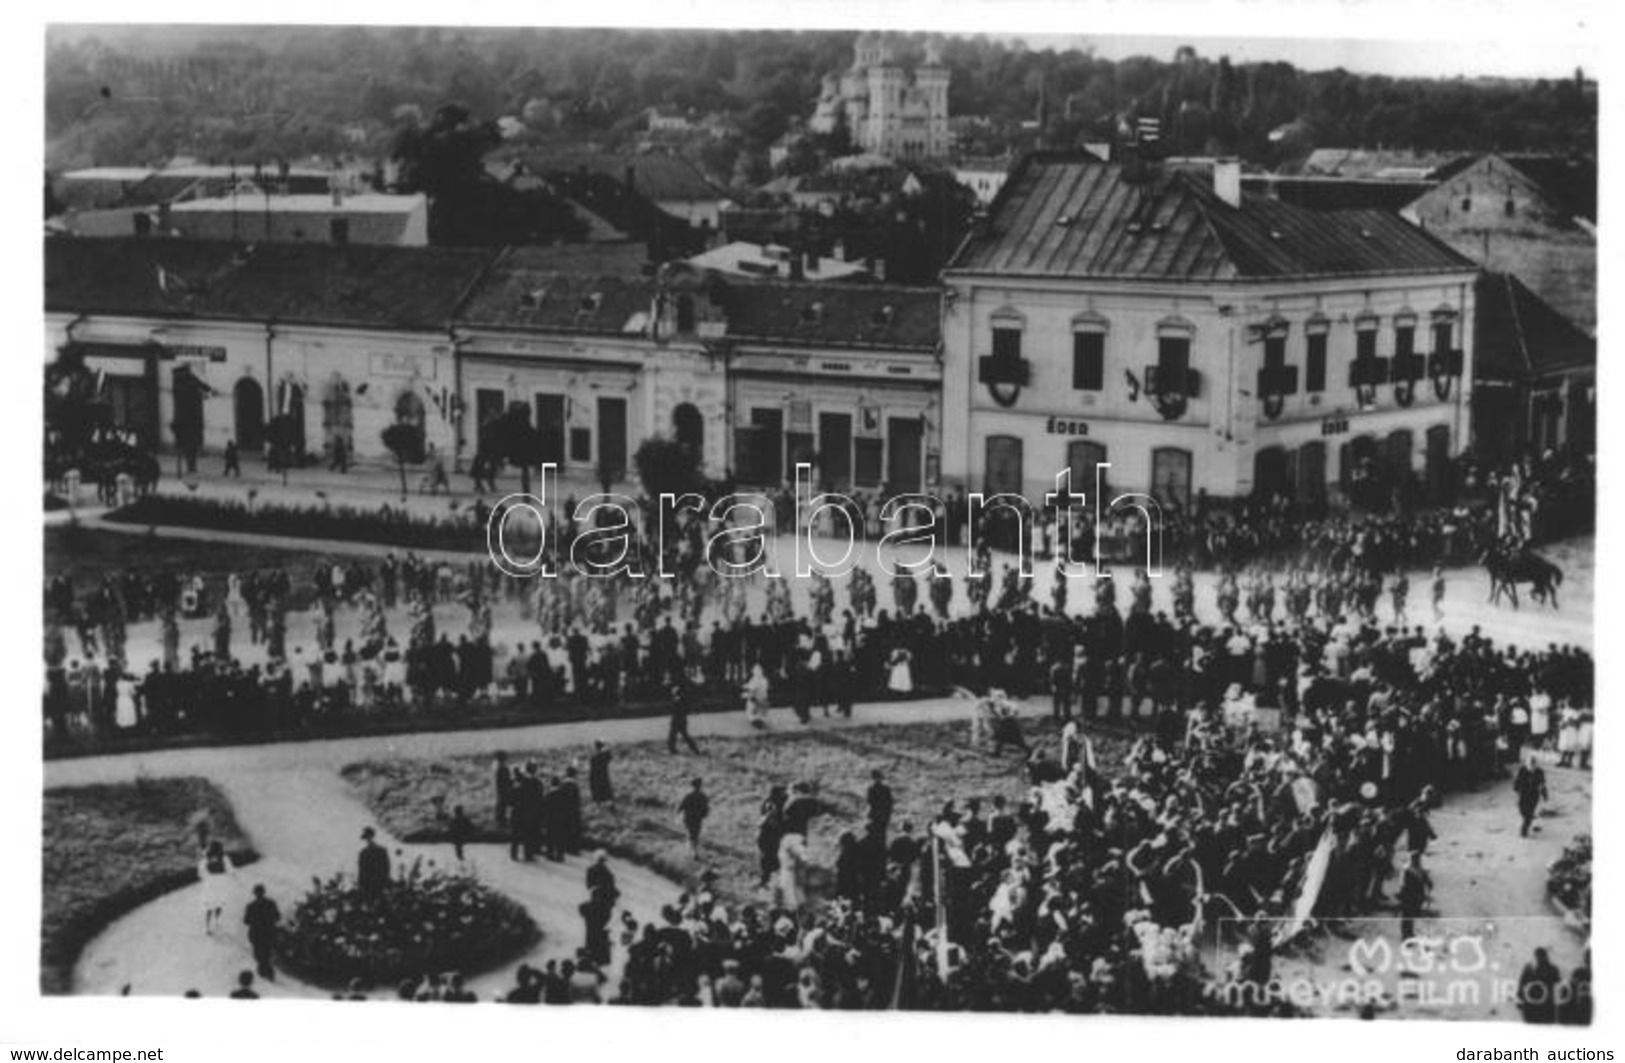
[602, 361]
[1199, 339]
[205, 342]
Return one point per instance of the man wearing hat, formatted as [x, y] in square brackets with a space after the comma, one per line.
[372, 867]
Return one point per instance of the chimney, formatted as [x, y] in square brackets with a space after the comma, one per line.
[839, 250]
[880, 269]
[812, 261]
[1227, 181]
[796, 272]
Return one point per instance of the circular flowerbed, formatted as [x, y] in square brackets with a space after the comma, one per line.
[1568, 879]
[426, 920]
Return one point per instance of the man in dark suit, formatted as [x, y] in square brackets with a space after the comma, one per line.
[881, 802]
[1413, 893]
[681, 702]
[262, 919]
[504, 788]
[372, 867]
[1530, 785]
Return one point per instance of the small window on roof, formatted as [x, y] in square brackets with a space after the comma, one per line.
[885, 314]
[591, 303]
[812, 313]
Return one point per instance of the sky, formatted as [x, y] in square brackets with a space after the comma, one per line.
[1424, 38]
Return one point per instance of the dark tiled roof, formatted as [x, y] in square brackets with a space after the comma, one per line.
[654, 176]
[1071, 215]
[517, 294]
[361, 286]
[875, 315]
[1336, 193]
[1517, 335]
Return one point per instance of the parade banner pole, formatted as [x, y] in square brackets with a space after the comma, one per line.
[938, 881]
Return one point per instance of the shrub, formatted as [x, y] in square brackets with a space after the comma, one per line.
[1569, 877]
[425, 920]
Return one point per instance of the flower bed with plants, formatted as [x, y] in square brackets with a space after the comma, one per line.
[425, 920]
[1568, 882]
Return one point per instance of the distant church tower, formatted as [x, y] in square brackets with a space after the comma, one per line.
[888, 112]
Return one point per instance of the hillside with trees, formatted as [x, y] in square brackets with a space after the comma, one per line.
[140, 95]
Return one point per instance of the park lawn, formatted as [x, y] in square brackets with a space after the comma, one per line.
[88, 555]
[111, 848]
[925, 764]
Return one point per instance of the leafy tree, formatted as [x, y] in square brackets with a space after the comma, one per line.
[405, 441]
[510, 438]
[666, 466]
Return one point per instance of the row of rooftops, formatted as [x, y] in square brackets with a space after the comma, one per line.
[1072, 214]
[434, 289]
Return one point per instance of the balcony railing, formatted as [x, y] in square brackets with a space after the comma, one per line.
[1407, 368]
[1278, 380]
[1002, 369]
[1158, 382]
[1445, 363]
[1368, 372]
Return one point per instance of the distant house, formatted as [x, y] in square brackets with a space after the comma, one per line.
[983, 175]
[670, 182]
[772, 260]
[125, 201]
[1534, 216]
[372, 218]
[1373, 165]
[1535, 377]
[667, 120]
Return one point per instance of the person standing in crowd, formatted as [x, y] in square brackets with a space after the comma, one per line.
[504, 789]
[681, 695]
[880, 801]
[1530, 786]
[1538, 988]
[599, 787]
[694, 808]
[1413, 894]
[372, 866]
[461, 831]
[262, 919]
[231, 466]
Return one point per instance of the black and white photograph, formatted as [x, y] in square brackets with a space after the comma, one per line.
[917, 517]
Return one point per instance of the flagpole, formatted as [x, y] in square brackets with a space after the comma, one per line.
[938, 880]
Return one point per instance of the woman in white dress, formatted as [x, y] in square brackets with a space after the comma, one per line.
[755, 694]
[216, 874]
[901, 680]
[1568, 733]
[236, 604]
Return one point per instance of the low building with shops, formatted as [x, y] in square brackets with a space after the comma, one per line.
[193, 344]
[1200, 340]
[201, 342]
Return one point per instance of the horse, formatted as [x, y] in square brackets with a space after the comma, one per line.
[1506, 571]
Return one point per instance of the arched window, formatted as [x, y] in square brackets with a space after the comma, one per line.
[1171, 476]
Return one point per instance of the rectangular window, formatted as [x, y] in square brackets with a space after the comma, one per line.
[867, 461]
[1007, 343]
[1405, 341]
[1442, 335]
[1365, 344]
[1089, 361]
[1173, 364]
[1274, 352]
[1314, 370]
[581, 444]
